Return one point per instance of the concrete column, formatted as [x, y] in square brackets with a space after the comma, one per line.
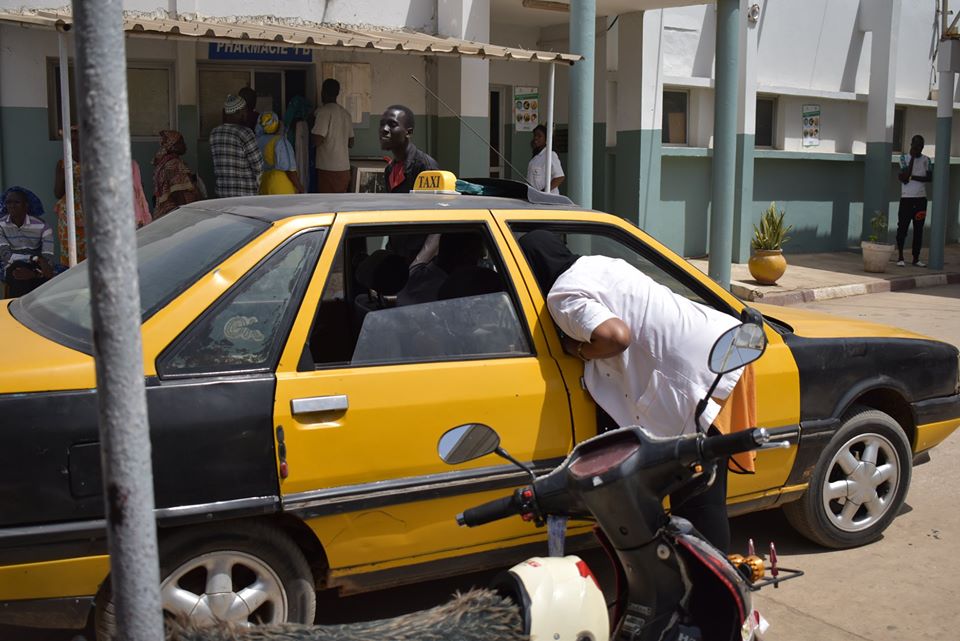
[882, 17]
[639, 132]
[188, 113]
[724, 140]
[948, 63]
[583, 19]
[744, 215]
[464, 84]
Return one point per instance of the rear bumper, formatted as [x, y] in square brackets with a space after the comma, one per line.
[69, 613]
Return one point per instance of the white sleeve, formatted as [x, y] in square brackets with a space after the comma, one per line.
[556, 169]
[576, 313]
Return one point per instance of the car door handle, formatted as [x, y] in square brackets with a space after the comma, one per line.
[314, 404]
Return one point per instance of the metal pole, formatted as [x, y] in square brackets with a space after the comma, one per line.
[941, 168]
[550, 84]
[583, 25]
[67, 146]
[115, 294]
[724, 141]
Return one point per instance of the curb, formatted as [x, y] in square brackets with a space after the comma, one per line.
[810, 295]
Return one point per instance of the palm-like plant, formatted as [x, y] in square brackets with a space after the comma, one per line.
[771, 233]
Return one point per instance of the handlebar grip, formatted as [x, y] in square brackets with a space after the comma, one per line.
[492, 511]
[714, 447]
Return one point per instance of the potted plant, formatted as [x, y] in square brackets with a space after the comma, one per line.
[876, 254]
[767, 263]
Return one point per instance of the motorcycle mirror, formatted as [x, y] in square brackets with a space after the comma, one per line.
[737, 347]
[467, 442]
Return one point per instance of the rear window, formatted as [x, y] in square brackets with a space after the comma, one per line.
[172, 254]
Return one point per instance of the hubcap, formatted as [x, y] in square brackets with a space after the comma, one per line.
[225, 586]
[862, 480]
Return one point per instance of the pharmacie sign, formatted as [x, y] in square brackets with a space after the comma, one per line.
[258, 51]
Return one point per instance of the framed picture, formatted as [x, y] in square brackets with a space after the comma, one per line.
[368, 177]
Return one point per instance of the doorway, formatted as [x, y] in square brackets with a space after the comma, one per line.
[500, 142]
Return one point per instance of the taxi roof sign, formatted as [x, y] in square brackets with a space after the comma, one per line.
[435, 182]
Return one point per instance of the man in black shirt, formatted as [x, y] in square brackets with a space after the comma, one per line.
[396, 128]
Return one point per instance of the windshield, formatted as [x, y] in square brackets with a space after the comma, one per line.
[172, 254]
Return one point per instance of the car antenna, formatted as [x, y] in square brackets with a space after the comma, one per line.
[467, 125]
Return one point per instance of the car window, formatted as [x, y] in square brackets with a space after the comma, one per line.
[172, 254]
[596, 241]
[244, 330]
[413, 294]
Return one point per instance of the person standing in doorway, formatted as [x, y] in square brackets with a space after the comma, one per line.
[279, 159]
[251, 116]
[537, 167]
[915, 173]
[237, 161]
[333, 137]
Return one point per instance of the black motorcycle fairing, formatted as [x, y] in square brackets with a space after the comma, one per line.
[720, 593]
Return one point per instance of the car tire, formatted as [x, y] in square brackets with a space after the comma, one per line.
[254, 561]
[858, 484]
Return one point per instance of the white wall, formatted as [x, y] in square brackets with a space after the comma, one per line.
[23, 62]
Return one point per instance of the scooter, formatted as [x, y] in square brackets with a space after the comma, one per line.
[672, 585]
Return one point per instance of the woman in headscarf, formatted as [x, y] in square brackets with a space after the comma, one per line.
[279, 160]
[26, 242]
[298, 133]
[645, 352]
[173, 182]
[59, 190]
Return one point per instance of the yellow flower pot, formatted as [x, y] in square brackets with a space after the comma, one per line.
[767, 265]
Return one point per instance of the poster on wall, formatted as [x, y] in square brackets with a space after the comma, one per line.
[526, 108]
[356, 82]
[811, 125]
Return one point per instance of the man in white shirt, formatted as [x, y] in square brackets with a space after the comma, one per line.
[333, 136]
[915, 173]
[537, 167]
[645, 351]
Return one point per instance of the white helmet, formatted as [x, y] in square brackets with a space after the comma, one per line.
[560, 599]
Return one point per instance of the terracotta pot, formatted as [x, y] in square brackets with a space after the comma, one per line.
[876, 256]
[767, 265]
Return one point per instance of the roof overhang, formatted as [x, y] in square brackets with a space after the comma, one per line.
[306, 35]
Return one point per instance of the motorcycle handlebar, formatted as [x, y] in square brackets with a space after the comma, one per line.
[490, 511]
[714, 447]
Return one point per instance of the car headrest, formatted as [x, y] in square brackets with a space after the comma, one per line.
[384, 272]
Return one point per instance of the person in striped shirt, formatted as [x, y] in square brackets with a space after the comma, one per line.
[26, 242]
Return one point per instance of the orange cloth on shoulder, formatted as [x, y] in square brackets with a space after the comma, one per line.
[739, 412]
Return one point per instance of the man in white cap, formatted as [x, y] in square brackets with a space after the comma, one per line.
[237, 161]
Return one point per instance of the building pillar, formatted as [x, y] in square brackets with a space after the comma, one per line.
[188, 112]
[724, 140]
[464, 84]
[639, 132]
[744, 215]
[583, 26]
[948, 63]
[882, 17]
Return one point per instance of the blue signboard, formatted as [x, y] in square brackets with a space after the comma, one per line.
[258, 51]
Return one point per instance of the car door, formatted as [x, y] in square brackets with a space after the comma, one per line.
[382, 360]
[588, 233]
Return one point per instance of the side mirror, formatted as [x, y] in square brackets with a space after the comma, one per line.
[737, 347]
[467, 442]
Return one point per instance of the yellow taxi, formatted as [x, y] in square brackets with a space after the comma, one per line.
[303, 354]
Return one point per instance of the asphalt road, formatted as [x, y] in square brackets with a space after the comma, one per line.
[904, 586]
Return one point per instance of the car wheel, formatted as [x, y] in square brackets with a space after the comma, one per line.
[859, 483]
[246, 575]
